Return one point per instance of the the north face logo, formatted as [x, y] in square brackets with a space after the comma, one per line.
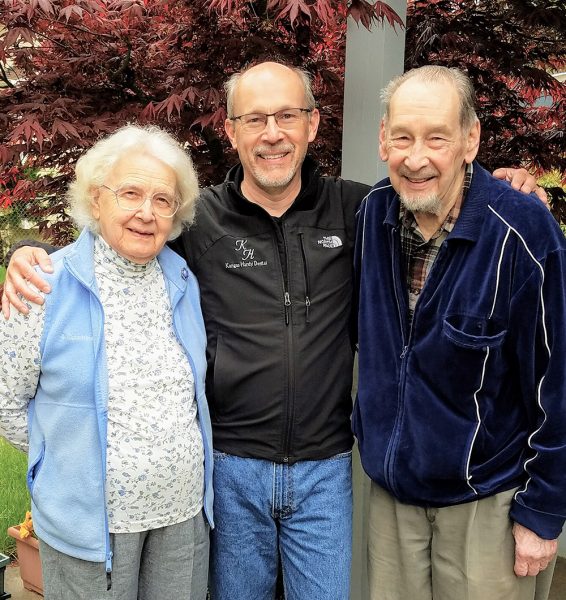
[330, 241]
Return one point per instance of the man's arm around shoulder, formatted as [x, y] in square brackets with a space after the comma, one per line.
[23, 257]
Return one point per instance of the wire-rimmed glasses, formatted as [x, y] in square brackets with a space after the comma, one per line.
[133, 198]
[287, 118]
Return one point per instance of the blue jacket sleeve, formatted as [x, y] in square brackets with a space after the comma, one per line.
[540, 504]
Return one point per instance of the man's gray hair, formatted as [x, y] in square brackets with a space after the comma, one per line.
[436, 73]
[93, 167]
[232, 83]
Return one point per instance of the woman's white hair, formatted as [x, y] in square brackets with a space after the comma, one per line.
[93, 167]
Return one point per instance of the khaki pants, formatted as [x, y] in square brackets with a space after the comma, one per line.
[463, 552]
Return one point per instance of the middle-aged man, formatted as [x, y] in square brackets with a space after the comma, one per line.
[461, 407]
[272, 249]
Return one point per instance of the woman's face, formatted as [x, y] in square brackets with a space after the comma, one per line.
[138, 235]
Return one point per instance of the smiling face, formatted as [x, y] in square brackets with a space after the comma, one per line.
[424, 145]
[138, 235]
[271, 158]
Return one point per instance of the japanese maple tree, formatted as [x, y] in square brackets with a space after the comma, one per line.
[75, 69]
[71, 70]
[508, 48]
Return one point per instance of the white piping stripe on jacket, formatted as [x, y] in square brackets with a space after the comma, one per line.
[363, 207]
[537, 263]
[468, 476]
[499, 272]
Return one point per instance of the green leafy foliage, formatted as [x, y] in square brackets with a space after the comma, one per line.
[14, 497]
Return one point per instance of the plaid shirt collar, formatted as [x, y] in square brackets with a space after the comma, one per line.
[419, 254]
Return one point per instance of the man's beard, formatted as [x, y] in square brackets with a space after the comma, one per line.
[426, 204]
[269, 180]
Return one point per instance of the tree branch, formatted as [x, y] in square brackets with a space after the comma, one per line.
[4, 77]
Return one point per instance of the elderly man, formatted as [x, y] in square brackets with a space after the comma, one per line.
[461, 407]
[272, 250]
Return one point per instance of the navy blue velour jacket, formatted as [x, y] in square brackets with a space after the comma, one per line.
[470, 399]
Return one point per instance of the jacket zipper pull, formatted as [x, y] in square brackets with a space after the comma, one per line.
[109, 571]
[404, 353]
[287, 303]
[306, 273]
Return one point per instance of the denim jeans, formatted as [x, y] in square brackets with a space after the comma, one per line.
[301, 513]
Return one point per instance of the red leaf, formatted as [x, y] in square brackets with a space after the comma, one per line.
[27, 130]
[368, 14]
[173, 102]
[148, 113]
[46, 6]
[14, 35]
[224, 7]
[68, 11]
[189, 94]
[381, 10]
[6, 154]
[322, 9]
[292, 8]
[212, 119]
[212, 97]
[64, 128]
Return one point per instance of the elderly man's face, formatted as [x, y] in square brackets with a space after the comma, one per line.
[424, 145]
[138, 235]
[272, 157]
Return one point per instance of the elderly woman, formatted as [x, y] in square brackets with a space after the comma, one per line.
[106, 381]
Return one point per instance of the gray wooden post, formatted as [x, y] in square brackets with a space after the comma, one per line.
[372, 59]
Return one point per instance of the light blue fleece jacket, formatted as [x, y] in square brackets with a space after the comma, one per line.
[68, 416]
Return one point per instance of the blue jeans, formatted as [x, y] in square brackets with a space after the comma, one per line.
[301, 513]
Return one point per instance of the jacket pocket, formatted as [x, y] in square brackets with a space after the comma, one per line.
[246, 364]
[34, 468]
[473, 333]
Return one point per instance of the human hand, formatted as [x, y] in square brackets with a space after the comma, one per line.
[523, 181]
[532, 553]
[20, 272]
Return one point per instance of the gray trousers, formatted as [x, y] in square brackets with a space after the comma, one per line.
[169, 563]
[462, 552]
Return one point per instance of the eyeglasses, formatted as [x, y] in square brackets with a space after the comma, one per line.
[132, 198]
[288, 118]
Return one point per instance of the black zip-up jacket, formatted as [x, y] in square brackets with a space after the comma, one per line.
[276, 297]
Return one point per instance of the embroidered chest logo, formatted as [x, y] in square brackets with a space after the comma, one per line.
[330, 241]
[246, 254]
